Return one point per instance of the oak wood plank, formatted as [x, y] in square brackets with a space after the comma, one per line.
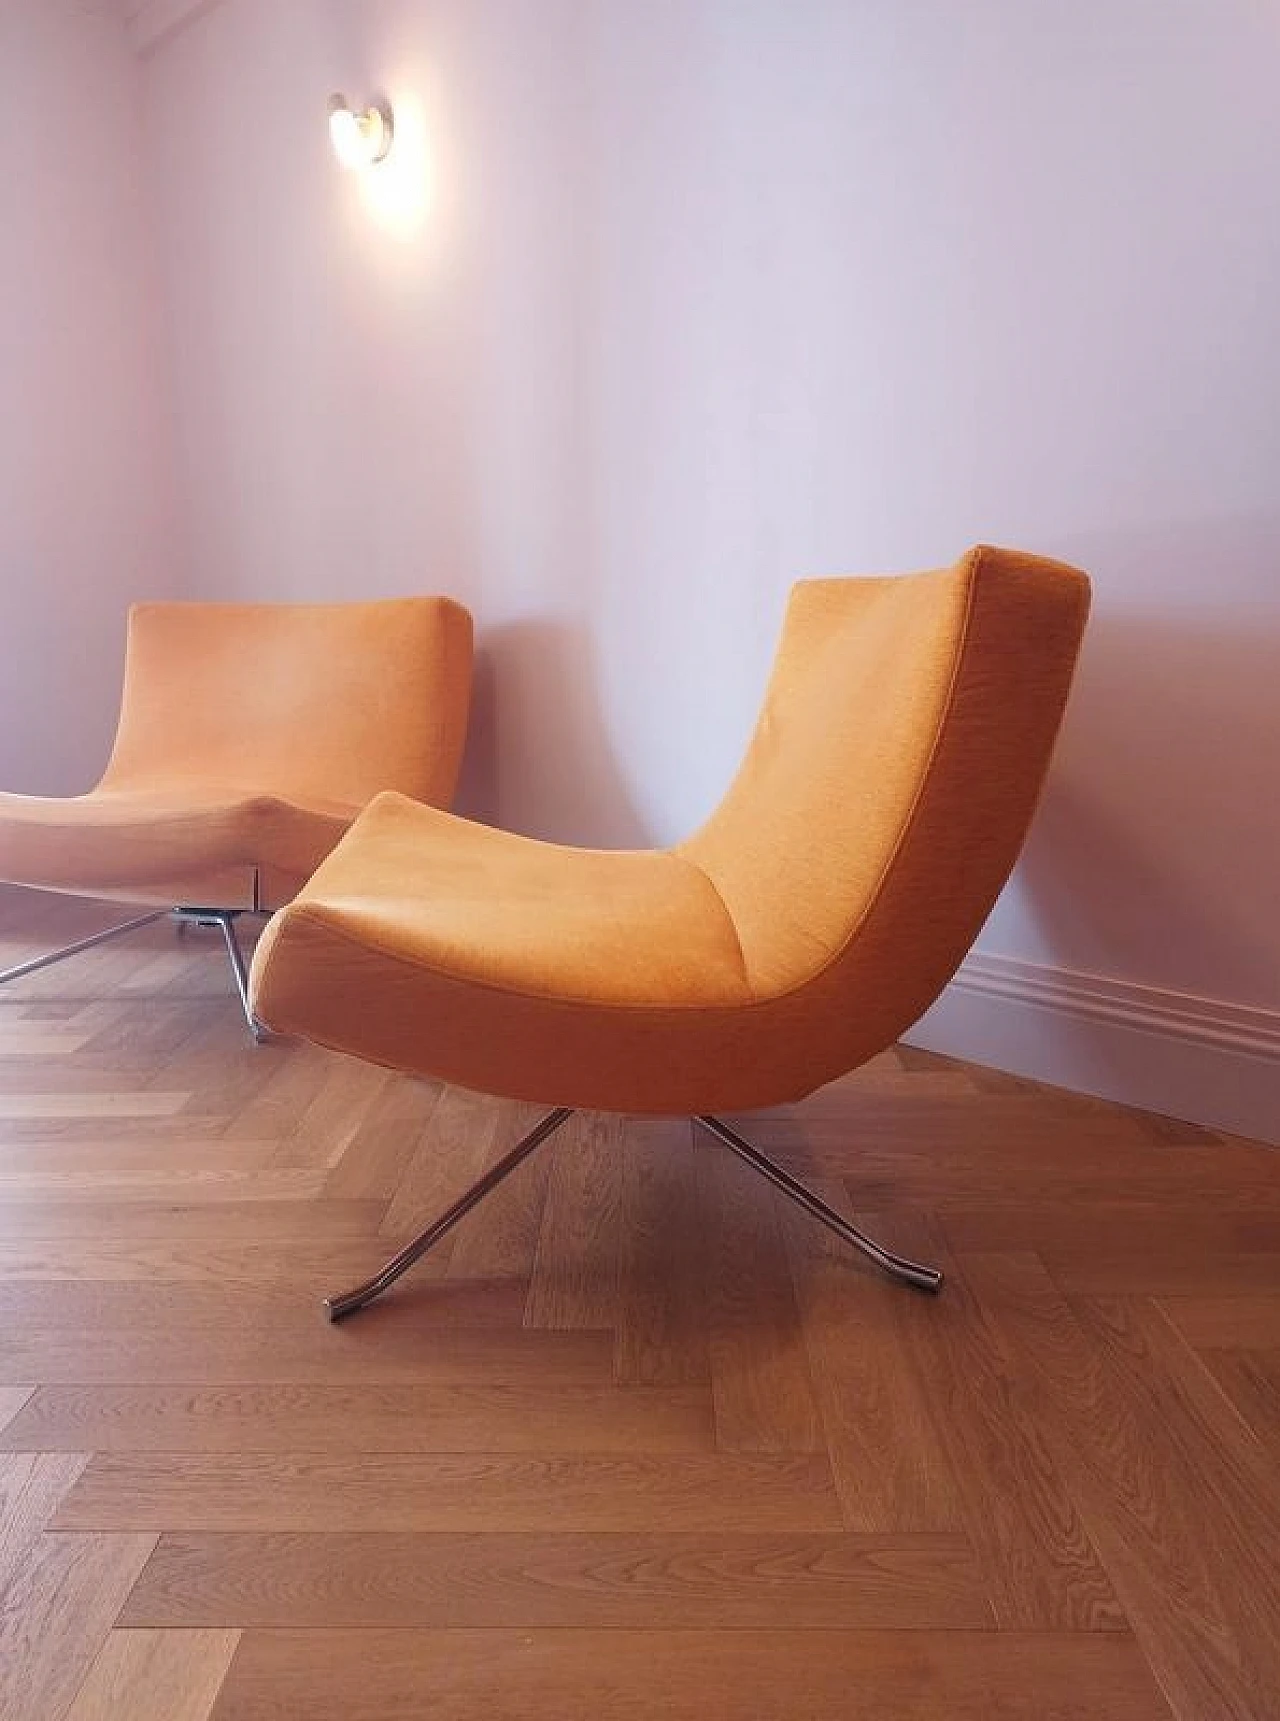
[453, 1150]
[640, 1582]
[305, 1271]
[118, 1103]
[383, 1146]
[1156, 1189]
[31, 1486]
[892, 1469]
[164, 1013]
[661, 1331]
[772, 1675]
[194, 1126]
[223, 1067]
[276, 1082]
[365, 1419]
[403, 1340]
[1249, 1322]
[1251, 1380]
[38, 1039]
[71, 1159]
[1144, 1272]
[212, 1182]
[322, 1131]
[1162, 1233]
[760, 1369]
[450, 1491]
[178, 1220]
[1043, 1566]
[57, 1608]
[155, 1676]
[499, 1239]
[275, 1310]
[574, 1282]
[88, 1072]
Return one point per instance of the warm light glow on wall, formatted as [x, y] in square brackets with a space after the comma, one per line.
[395, 184]
[399, 191]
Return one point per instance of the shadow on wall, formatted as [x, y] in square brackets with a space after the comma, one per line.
[477, 796]
[538, 760]
[1155, 853]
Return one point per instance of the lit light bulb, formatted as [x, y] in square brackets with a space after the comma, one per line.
[359, 139]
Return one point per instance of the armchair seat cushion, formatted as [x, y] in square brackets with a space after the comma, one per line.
[189, 841]
[488, 908]
[425, 929]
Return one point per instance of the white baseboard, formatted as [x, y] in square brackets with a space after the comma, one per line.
[1201, 1059]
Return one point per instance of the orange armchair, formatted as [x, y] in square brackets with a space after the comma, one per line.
[822, 908]
[250, 736]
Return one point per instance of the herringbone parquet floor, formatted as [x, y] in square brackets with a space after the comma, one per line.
[636, 1442]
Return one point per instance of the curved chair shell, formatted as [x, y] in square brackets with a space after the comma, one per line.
[250, 735]
[880, 808]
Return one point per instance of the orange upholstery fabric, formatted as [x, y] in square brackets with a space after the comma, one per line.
[881, 806]
[250, 736]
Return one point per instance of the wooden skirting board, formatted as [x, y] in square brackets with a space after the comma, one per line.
[1202, 1059]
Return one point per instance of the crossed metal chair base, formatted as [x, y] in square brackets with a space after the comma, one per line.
[896, 1266]
[223, 918]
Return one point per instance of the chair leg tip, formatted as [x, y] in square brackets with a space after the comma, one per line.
[338, 1308]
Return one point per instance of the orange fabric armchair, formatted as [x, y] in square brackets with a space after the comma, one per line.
[822, 908]
[250, 736]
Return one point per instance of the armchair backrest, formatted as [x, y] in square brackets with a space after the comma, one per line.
[886, 793]
[331, 702]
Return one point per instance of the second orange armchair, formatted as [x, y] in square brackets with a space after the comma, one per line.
[250, 736]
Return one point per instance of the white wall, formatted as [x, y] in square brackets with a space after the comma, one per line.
[86, 497]
[708, 294]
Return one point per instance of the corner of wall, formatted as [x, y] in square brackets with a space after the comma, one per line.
[151, 23]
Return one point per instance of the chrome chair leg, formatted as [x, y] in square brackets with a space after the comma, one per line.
[338, 1308]
[47, 961]
[897, 1266]
[225, 920]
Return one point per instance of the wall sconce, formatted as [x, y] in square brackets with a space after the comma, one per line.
[360, 139]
